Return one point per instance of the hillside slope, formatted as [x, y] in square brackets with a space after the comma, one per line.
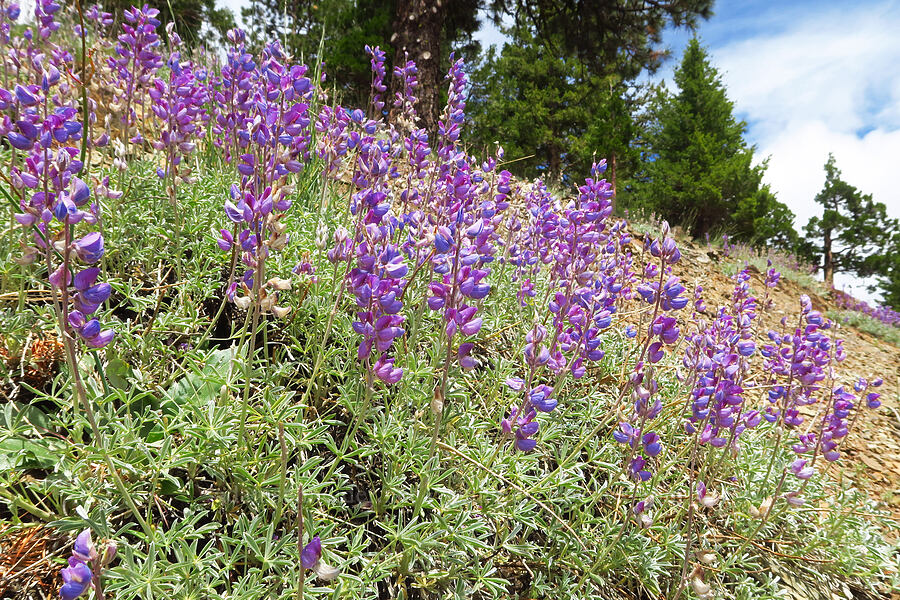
[872, 449]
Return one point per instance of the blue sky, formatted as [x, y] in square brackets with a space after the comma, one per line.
[809, 78]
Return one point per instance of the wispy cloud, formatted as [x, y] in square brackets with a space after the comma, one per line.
[838, 67]
[814, 78]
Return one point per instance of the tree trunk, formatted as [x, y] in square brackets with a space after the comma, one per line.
[554, 167]
[418, 30]
[828, 266]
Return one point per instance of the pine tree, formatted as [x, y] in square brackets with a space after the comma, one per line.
[189, 17]
[888, 276]
[699, 170]
[607, 36]
[552, 116]
[854, 233]
[343, 27]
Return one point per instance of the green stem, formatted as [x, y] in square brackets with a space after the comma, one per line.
[302, 579]
[736, 554]
[282, 479]
[248, 370]
[25, 505]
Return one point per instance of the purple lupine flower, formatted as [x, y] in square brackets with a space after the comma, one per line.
[523, 427]
[233, 98]
[405, 99]
[705, 497]
[45, 15]
[273, 142]
[84, 549]
[76, 578]
[450, 125]
[378, 72]
[885, 314]
[717, 356]
[179, 104]
[135, 62]
[378, 278]
[55, 204]
[311, 558]
[462, 251]
[588, 274]
[796, 364]
[84, 566]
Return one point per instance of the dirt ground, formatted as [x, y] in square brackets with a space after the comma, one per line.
[871, 453]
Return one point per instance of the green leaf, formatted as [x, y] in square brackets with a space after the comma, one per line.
[119, 374]
[28, 454]
[15, 414]
[202, 385]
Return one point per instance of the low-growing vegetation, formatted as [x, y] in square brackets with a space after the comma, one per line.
[257, 344]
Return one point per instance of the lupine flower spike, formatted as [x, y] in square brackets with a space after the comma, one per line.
[84, 566]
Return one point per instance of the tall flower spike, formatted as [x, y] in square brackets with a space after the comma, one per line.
[378, 72]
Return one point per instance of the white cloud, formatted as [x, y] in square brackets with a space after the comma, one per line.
[809, 89]
[799, 151]
[820, 82]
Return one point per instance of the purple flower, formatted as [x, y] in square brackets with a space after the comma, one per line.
[541, 398]
[76, 579]
[386, 371]
[652, 445]
[515, 383]
[85, 560]
[799, 468]
[18, 141]
[90, 247]
[84, 549]
[312, 553]
[466, 361]
[872, 400]
[626, 434]
[24, 96]
[96, 294]
[636, 468]
[311, 558]
[655, 352]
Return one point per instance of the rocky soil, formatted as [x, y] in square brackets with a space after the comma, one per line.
[871, 454]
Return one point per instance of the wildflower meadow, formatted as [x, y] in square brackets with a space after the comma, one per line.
[298, 349]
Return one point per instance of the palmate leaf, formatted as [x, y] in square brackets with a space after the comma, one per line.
[29, 454]
[202, 385]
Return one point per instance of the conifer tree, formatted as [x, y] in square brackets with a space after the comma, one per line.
[854, 233]
[699, 170]
[552, 116]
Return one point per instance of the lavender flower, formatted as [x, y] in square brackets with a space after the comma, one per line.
[178, 103]
[311, 558]
[405, 99]
[84, 566]
[136, 63]
[378, 73]
[718, 357]
[665, 292]
[275, 145]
